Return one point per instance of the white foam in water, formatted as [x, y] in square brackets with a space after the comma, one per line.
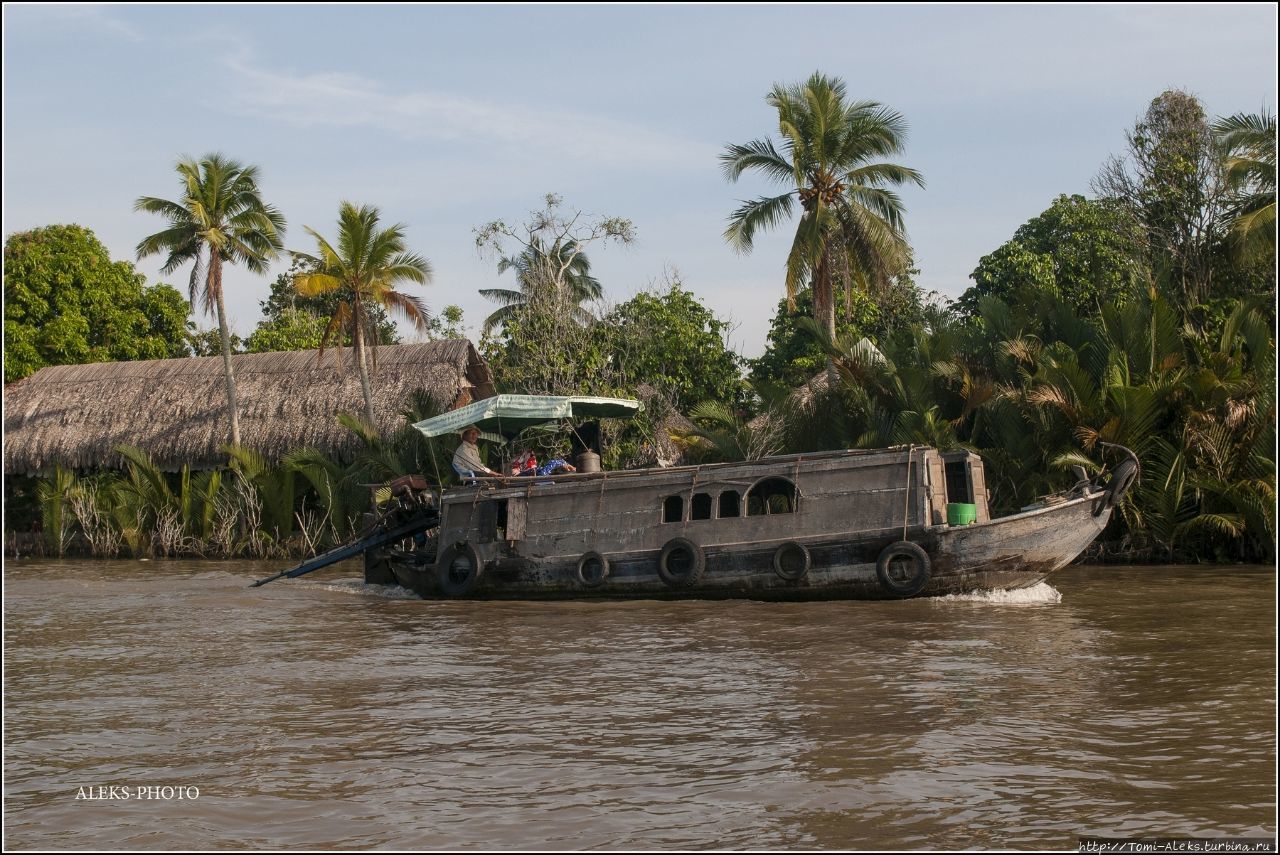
[362, 588]
[1037, 594]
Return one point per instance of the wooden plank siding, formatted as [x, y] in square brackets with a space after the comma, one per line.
[836, 493]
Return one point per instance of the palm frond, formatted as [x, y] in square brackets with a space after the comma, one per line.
[410, 308]
[313, 284]
[878, 174]
[763, 213]
[758, 155]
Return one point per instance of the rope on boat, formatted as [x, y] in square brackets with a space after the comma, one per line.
[435, 464]
[906, 499]
[795, 482]
[600, 498]
[693, 485]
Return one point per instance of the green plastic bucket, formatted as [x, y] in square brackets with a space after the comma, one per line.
[959, 513]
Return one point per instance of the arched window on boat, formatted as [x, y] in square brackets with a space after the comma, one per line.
[771, 496]
[673, 509]
[730, 504]
[700, 507]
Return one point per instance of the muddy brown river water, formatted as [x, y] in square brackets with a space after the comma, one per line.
[325, 714]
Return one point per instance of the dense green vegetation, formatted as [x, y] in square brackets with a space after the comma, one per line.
[66, 302]
[253, 507]
[1142, 315]
[1250, 146]
[1085, 251]
[293, 321]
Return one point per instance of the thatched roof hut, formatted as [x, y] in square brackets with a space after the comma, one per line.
[176, 409]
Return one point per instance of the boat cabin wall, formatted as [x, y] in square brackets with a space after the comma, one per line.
[791, 499]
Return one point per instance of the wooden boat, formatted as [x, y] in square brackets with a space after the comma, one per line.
[852, 524]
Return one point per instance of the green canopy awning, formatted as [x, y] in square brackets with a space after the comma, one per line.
[504, 416]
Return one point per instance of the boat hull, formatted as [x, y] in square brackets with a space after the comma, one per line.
[1006, 553]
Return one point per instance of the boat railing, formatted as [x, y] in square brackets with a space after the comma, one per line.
[493, 482]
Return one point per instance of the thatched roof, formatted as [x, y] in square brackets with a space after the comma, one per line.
[176, 409]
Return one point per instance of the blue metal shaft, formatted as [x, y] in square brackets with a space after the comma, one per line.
[420, 523]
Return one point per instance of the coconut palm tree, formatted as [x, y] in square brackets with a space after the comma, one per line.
[1249, 142]
[538, 270]
[363, 270]
[850, 231]
[220, 219]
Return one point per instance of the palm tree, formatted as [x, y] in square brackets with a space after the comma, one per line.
[1249, 142]
[538, 270]
[220, 219]
[363, 270]
[850, 229]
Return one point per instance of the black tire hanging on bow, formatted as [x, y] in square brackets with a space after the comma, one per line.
[459, 570]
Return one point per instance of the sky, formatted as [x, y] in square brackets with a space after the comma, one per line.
[447, 117]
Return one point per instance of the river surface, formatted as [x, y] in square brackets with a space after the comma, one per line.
[326, 714]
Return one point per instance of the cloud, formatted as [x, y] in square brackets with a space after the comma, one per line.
[91, 17]
[339, 99]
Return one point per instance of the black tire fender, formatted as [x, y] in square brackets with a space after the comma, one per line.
[681, 563]
[592, 569]
[906, 554]
[459, 570]
[1119, 483]
[791, 561]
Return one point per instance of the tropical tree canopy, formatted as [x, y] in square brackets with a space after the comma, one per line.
[291, 321]
[1249, 142]
[793, 354]
[549, 344]
[220, 219]
[542, 272]
[66, 302]
[363, 269]
[292, 329]
[850, 231]
[670, 341]
[1087, 251]
[1170, 182]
